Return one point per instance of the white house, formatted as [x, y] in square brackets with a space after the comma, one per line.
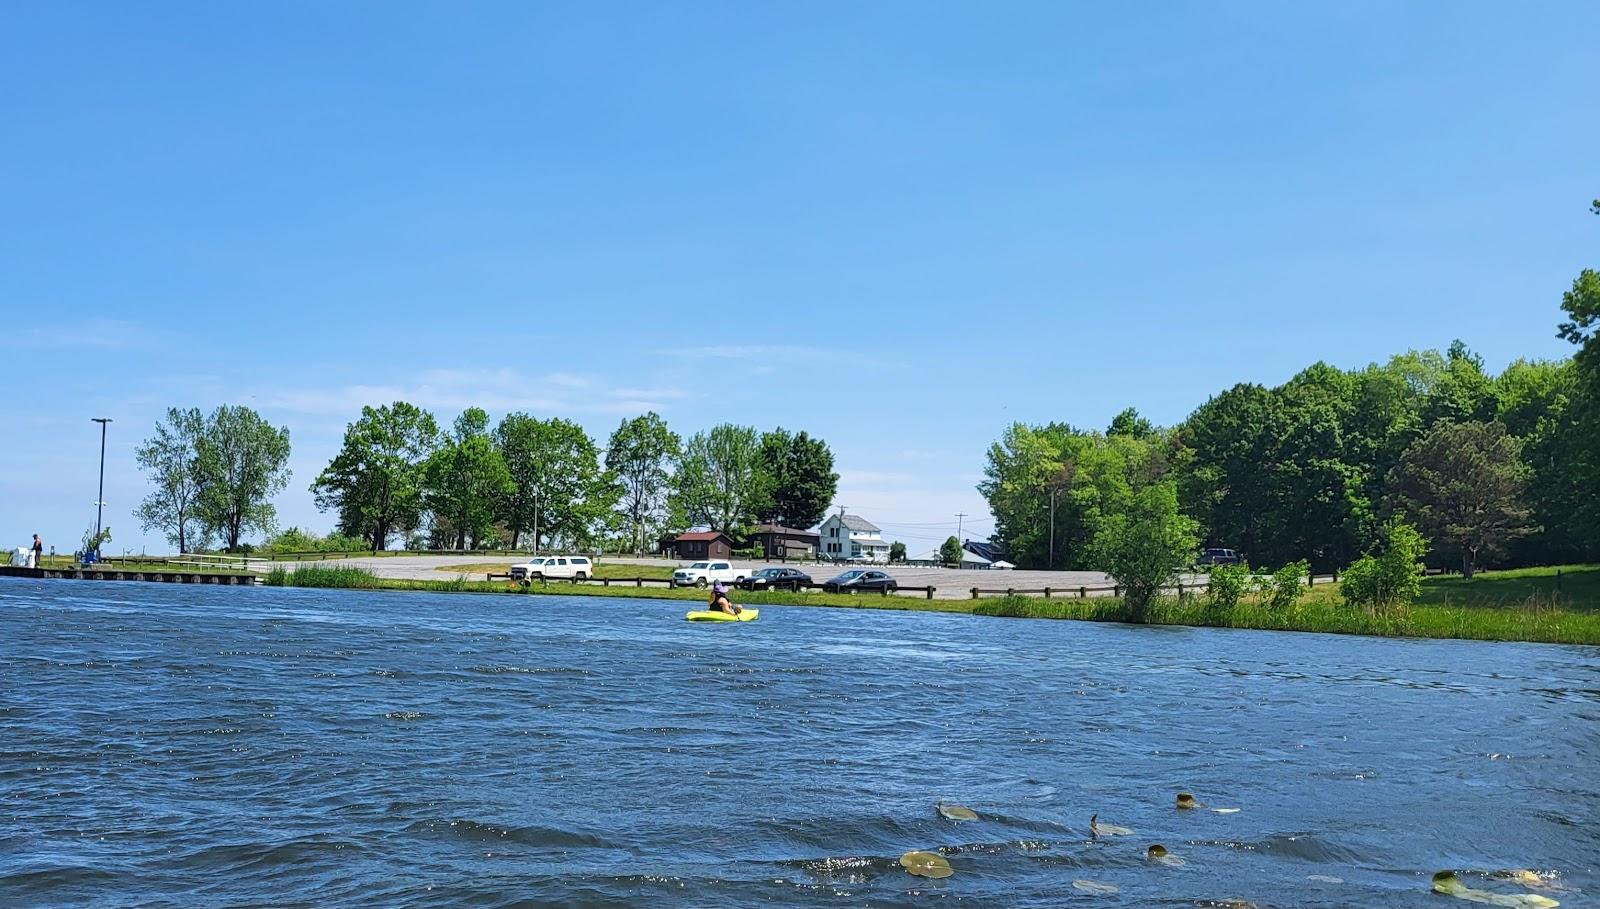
[849, 536]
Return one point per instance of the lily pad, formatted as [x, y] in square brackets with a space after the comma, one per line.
[1097, 888]
[957, 812]
[1449, 884]
[926, 864]
[1098, 829]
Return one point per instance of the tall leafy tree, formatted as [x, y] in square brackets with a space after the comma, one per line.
[800, 480]
[1462, 485]
[1129, 423]
[172, 458]
[560, 492]
[1142, 543]
[1581, 304]
[466, 480]
[246, 463]
[641, 454]
[950, 553]
[720, 482]
[375, 481]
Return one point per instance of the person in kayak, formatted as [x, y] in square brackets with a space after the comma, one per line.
[720, 601]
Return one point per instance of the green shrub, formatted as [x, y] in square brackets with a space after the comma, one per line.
[1228, 583]
[1391, 577]
[1285, 586]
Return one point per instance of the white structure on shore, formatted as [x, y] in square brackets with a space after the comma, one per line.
[969, 559]
[848, 536]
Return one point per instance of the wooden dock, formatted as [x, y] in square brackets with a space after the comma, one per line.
[98, 573]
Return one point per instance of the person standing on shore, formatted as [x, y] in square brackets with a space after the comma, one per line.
[38, 552]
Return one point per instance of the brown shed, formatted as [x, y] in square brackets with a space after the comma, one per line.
[702, 545]
[779, 542]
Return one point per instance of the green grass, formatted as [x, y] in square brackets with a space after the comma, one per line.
[1497, 606]
[1571, 587]
[1486, 616]
[336, 576]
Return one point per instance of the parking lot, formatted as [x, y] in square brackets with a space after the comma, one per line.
[950, 583]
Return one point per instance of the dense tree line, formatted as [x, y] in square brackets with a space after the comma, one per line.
[545, 483]
[1501, 468]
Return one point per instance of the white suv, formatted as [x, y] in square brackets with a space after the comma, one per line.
[553, 568]
[702, 574]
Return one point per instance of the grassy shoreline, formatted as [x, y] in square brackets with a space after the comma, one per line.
[1454, 610]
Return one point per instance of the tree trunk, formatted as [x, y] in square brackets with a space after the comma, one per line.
[1469, 558]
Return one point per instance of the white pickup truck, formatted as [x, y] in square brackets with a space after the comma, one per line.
[703, 574]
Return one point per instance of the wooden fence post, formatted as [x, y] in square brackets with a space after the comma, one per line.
[1116, 590]
[638, 582]
[1083, 593]
[1336, 576]
[1010, 592]
[974, 593]
[1047, 593]
[930, 593]
[1311, 579]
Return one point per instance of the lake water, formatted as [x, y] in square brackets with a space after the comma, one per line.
[217, 747]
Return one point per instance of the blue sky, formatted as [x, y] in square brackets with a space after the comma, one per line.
[899, 227]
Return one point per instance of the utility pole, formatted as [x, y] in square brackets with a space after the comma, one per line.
[960, 516]
[100, 500]
[1052, 562]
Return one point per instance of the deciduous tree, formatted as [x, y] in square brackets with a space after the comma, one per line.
[375, 481]
[641, 454]
[466, 479]
[245, 460]
[172, 458]
[720, 483]
[1462, 484]
[800, 480]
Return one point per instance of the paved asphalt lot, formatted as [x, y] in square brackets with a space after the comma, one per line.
[951, 583]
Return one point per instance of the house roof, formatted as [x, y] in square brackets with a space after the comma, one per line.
[856, 522]
[700, 536]
[780, 529]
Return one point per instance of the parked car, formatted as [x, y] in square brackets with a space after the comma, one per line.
[860, 579]
[1218, 557]
[776, 579]
[703, 574]
[550, 568]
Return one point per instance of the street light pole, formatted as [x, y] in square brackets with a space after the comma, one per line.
[100, 500]
[1052, 528]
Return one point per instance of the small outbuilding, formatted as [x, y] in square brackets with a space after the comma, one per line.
[779, 542]
[698, 545]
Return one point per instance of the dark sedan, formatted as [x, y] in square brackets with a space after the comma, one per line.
[860, 579]
[776, 579]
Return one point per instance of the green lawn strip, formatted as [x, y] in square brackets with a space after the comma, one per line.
[1322, 611]
[1319, 610]
[1562, 587]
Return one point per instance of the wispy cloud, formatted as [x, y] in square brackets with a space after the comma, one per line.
[448, 391]
[90, 334]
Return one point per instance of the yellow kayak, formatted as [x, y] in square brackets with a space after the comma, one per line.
[705, 615]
